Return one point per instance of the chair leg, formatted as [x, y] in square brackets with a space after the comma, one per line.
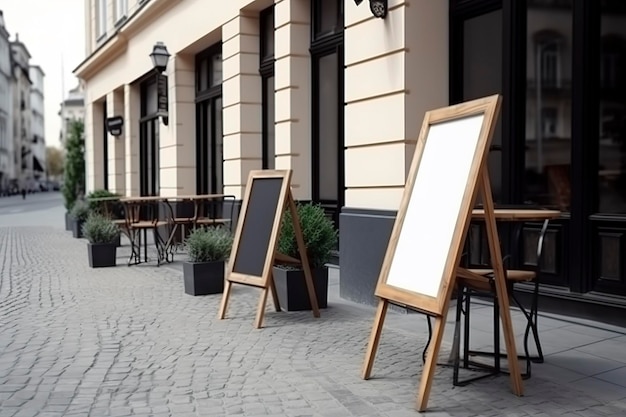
[532, 326]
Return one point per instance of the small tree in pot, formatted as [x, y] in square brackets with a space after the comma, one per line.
[320, 238]
[80, 213]
[208, 249]
[102, 234]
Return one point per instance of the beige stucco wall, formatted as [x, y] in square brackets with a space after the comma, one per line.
[396, 70]
[186, 29]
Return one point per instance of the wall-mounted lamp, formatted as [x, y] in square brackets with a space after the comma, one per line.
[160, 57]
[377, 7]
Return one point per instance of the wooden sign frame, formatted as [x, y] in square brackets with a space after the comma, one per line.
[426, 296]
[265, 279]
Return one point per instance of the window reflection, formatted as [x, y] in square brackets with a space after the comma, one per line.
[612, 140]
[548, 103]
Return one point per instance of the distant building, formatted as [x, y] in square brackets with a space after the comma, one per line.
[72, 108]
[38, 144]
[22, 117]
[7, 170]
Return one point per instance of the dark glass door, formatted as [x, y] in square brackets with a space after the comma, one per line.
[209, 131]
[328, 147]
[149, 157]
[608, 217]
[210, 147]
[149, 140]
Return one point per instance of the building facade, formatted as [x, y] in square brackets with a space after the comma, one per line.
[325, 89]
[7, 168]
[38, 126]
[22, 135]
[72, 109]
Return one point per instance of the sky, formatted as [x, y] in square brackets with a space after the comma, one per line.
[54, 34]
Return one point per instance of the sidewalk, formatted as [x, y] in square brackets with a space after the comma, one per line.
[76, 341]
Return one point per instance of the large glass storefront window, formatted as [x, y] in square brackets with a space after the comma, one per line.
[482, 76]
[612, 91]
[548, 104]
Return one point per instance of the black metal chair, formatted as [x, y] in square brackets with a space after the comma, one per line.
[468, 288]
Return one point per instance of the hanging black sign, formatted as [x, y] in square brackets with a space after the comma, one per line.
[114, 125]
[162, 98]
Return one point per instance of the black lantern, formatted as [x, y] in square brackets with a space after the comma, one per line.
[377, 7]
[160, 56]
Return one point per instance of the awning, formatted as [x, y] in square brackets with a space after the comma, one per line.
[37, 165]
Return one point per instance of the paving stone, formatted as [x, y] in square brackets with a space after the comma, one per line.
[128, 341]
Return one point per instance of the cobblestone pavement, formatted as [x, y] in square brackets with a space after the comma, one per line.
[120, 341]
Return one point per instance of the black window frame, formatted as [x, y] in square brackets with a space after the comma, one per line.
[206, 182]
[266, 71]
[105, 146]
[149, 183]
[323, 44]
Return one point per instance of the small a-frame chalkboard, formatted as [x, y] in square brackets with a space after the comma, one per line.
[422, 258]
[267, 195]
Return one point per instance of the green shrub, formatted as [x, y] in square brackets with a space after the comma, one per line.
[74, 169]
[80, 210]
[99, 229]
[115, 207]
[209, 244]
[320, 236]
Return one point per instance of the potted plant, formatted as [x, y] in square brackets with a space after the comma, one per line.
[108, 204]
[102, 235]
[80, 213]
[208, 249]
[320, 238]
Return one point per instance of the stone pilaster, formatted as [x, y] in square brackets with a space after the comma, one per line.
[242, 107]
[293, 93]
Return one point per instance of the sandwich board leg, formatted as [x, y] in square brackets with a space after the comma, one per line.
[258, 322]
[308, 276]
[274, 294]
[501, 290]
[428, 372]
[225, 296]
[377, 329]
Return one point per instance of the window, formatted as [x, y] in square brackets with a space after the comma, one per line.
[549, 64]
[121, 9]
[209, 132]
[267, 78]
[101, 19]
[149, 147]
[549, 121]
[3, 134]
[328, 106]
[328, 18]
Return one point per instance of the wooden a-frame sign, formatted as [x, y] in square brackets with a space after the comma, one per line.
[267, 194]
[424, 251]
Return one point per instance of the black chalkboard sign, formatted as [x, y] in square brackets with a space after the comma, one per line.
[263, 204]
[267, 195]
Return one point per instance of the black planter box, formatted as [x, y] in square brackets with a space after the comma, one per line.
[101, 254]
[292, 292]
[203, 278]
[68, 221]
[77, 228]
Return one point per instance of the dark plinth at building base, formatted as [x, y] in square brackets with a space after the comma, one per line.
[363, 239]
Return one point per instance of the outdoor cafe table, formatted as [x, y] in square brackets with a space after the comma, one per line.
[141, 215]
[144, 213]
[516, 215]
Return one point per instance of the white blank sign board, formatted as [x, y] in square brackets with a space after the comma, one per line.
[436, 201]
